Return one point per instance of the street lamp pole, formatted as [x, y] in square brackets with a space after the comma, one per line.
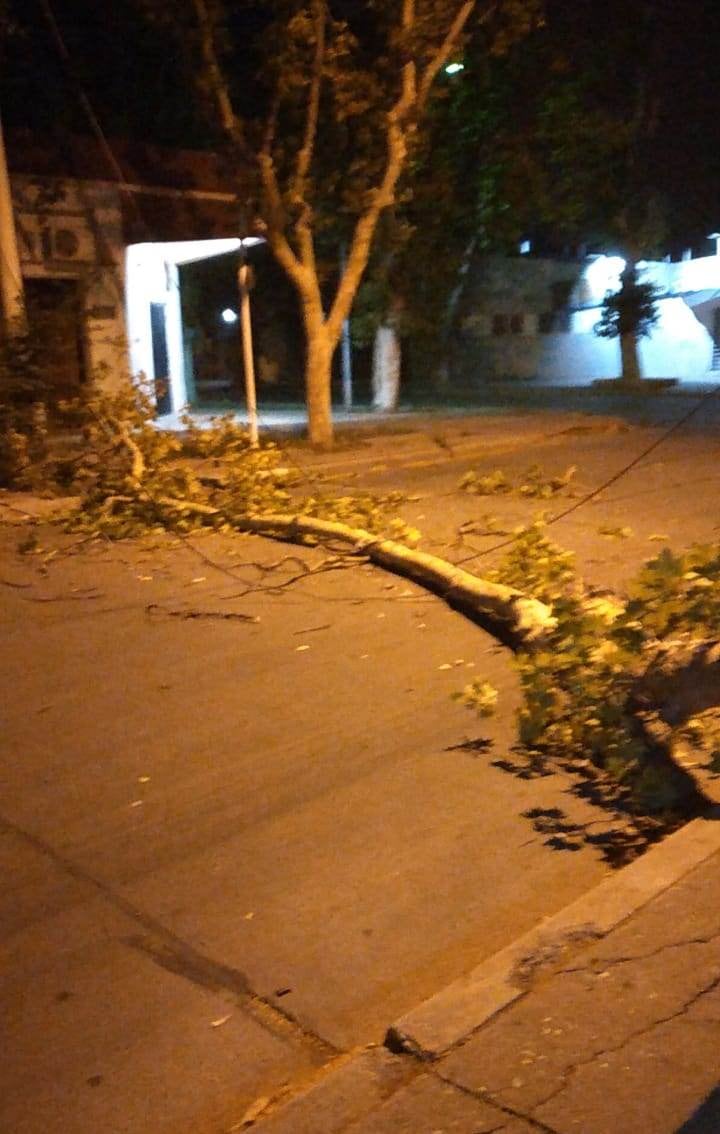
[244, 285]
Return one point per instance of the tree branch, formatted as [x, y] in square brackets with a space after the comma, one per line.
[384, 195]
[443, 52]
[229, 120]
[298, 188]
[305, 153]
[511, 616]
[300, 272]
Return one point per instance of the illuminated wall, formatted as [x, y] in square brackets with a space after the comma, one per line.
[513, 328]
[152, 277]
[679, 347]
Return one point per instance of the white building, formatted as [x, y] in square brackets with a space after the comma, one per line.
[534, 318]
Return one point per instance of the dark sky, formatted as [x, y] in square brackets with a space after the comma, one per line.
[139, 84]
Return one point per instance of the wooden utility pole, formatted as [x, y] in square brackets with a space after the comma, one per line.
[12, 298]
[244, 284]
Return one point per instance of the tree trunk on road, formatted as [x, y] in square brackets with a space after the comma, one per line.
[511, 616]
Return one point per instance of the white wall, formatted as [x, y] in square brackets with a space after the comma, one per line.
[152, 276]
[679, 347]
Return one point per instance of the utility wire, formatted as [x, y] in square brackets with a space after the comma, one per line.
[313, 477]
[80, 91]
[607, 483]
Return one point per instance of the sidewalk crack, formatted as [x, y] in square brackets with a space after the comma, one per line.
[574, 1068]
[611, 962]
[490, 1100]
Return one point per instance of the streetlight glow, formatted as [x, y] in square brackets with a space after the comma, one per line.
[453, 68]
[229, 316]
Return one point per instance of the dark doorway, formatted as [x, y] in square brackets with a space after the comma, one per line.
[163, 398]
[55, 319]
[210, 313]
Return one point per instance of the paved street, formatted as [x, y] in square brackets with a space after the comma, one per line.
[240, 831]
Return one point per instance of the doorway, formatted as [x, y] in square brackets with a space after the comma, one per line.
[161, 365]
[55, 317]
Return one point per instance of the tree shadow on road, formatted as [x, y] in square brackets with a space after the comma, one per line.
[620, 833]
[706, 1119]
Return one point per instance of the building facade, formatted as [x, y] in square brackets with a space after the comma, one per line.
[532, 318]
[100, 257]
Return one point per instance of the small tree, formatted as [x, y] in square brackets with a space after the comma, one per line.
[629, 315]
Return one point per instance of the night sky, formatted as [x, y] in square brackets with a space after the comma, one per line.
[139, 82]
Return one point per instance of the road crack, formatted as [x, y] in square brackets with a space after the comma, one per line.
[171, 952]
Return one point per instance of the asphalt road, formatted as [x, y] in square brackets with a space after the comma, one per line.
[235, 849]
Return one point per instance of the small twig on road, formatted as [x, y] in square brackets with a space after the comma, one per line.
[223, 615]
[63, 598]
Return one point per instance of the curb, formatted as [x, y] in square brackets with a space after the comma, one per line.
[412, 450]
[351, 1087]
[446, 1019]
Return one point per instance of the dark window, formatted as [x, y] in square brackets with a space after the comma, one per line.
[546, 321]
[517, 324]
[500, 325]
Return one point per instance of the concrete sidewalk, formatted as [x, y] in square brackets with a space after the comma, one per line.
[577, 1028]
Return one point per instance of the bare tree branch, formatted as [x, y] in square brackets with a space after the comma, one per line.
[444, 51]
[384, 195]
[229, 120]
[305, 153]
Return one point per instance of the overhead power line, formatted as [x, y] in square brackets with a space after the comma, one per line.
[606, 483]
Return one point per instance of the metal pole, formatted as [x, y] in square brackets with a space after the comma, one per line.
[346, 355]
[12, 299]
[247, 350]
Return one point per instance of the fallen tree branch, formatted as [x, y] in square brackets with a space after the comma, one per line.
[138, 461]
[514, 618]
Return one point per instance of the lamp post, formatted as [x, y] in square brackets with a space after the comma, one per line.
[245, 282]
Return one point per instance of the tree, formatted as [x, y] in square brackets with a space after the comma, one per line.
[629, 314]
[338, 112]
[424, 248]
[585, 157]
[457, 209]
